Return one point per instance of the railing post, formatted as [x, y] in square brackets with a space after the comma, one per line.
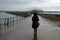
[13, 21]
[7, 22]
[17, 19]
[21, 19]
[10, 21]
[0, 27]
[0, 24]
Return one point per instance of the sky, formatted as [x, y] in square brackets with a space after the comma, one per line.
[25, 5]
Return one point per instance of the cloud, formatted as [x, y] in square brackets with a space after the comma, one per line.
[27, 4]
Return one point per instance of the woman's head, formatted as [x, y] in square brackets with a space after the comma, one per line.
[35, 13]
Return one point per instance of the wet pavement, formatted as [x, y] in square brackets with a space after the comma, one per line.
[23, 31]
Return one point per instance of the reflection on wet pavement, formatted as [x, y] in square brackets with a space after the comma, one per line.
[46, 31]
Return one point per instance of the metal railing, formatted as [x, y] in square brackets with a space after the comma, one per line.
[8, 22]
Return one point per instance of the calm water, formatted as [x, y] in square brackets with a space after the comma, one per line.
[4, 15]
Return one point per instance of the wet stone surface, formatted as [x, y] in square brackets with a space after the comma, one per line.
[47, 31]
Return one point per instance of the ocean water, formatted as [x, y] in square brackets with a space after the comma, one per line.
[4, 15]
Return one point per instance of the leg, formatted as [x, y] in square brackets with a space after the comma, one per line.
[35, 33]
[35, 30]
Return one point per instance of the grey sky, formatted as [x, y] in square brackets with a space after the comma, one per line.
[23, 5]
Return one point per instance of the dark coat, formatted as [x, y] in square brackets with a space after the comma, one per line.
[35, 20]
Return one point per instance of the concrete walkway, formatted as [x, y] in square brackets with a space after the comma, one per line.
[46, 31]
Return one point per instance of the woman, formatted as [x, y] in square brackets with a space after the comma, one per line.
[35, 22]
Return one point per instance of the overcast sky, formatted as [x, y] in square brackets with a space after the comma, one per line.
[23, 5]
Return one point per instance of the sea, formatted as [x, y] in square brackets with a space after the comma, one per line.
[4, 15]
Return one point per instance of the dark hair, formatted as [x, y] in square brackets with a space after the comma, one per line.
[35, 13]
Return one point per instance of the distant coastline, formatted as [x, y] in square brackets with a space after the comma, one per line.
[38, 11]
[24, 14]
[51, 16]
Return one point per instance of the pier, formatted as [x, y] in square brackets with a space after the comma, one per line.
[48, 30]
